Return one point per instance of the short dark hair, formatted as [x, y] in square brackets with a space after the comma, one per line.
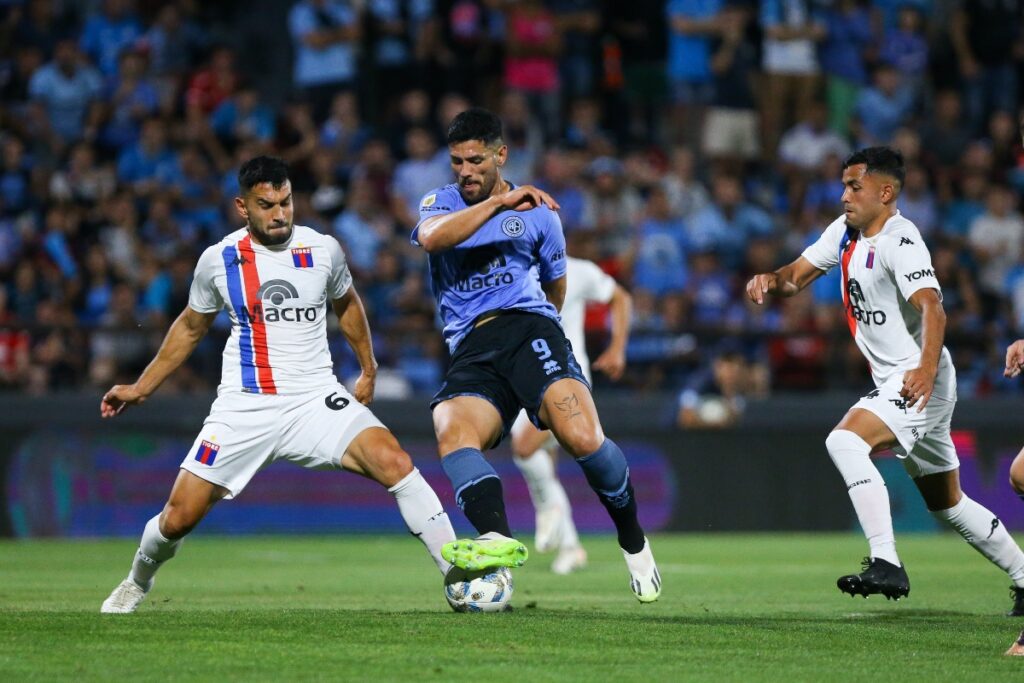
[262, 169]
[880, 160]
[475, 124]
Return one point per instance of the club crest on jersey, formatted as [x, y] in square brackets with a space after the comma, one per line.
[302, 257]
[207, 452]
[513, 226]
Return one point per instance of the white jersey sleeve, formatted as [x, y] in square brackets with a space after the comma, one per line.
[593, 283]
[203, 294]
[910, 264]
[340, 279]
[824, 253]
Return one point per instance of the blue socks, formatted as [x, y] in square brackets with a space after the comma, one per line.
[477, 490]
[608, 474]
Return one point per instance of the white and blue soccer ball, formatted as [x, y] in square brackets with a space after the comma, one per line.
[487, 590]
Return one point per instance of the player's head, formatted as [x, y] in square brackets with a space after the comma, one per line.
[266, 201]
[477, 152]
[872, 180]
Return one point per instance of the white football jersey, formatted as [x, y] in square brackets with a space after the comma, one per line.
[880, 274]
[277, 299]
[585, 282]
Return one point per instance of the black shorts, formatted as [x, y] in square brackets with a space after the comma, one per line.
[511, 361]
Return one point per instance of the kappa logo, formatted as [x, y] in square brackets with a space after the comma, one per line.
[513, 226]
[872, 394]
[277, 291]
[905, 240]
[899, 403]
[239, 261]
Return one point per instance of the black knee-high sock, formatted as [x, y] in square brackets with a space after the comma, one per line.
[477, 490]
[484, 506]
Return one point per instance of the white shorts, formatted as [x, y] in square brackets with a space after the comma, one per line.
[925, 444]
[246, 432]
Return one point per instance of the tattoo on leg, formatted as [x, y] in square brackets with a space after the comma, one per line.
[569, 408]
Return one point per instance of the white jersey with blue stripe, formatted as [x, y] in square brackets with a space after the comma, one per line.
[500, 267]
[277, 299]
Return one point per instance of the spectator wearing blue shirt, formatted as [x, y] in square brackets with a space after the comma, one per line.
[364, 227]
[906, 49]
[243, 117]
[729, 221]
[848, 35]
[882, 108]
[149, 162]
[965, 207]
[108, 33]
[660, 263]
[692, 25]
[399, 46]
[422, 170]
[66, 87]
[325, 34]
[792, 73]
[130, 97]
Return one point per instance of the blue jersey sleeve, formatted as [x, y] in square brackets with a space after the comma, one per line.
[551, 249]
[436, 203]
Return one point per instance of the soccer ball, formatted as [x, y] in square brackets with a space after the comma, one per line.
[487, 590]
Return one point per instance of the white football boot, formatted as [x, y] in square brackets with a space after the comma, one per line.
[569, 560]
[644, 578]
[125, 598]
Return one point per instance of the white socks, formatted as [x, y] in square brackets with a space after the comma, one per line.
[870, 498]
[545, 489]
[153, 551]
[424, 515]
[986, 533]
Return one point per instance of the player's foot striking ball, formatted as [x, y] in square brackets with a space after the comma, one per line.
[878, 577]
[486, 551]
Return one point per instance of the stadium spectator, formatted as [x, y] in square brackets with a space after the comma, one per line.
[325, 35]
[849, 36]
[579, 22]
[996, 239]
[65, 87]
[692, 27]
[533, 43]
[109, 32]
[881, 108]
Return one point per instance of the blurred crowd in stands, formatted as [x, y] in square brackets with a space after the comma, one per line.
[690, 144]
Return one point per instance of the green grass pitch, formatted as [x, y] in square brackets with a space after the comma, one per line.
[734, 607]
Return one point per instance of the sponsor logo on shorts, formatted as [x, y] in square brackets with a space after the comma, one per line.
[899, 403]
[513, 226]
[207, 452]
[551, 367]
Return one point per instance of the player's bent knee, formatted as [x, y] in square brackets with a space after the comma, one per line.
[177, 521]
[392, 466]
[581, 441]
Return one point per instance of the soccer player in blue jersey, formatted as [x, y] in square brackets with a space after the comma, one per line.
[497, 270]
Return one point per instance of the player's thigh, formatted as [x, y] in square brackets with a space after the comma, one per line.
[568, 409]
[526, 438]
[237, 440]
[467, 421]
[376, 454]
[884, 420]
[1017, 472]
[191, 498]
[318, 428]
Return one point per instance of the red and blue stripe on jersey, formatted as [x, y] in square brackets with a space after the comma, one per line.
[243, 281]
[846, 248]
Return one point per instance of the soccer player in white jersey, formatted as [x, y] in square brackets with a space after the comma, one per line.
[533, 450]
[893, 306]
[278, 398]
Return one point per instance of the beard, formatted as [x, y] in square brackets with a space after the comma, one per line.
[272, 239]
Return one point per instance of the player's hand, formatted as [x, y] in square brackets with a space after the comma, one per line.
[118, 398]
[363, 390]
[526, 197]
[1014, 359]
[760, 285]
[917, 387]
[612, 363]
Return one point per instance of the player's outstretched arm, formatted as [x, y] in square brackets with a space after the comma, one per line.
[786, 281]
[356, 328]
[919, 382]
[440, 233]
[1014, 359]
[613, 361]
[178, 345]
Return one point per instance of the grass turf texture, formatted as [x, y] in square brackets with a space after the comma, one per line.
[734, 607]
